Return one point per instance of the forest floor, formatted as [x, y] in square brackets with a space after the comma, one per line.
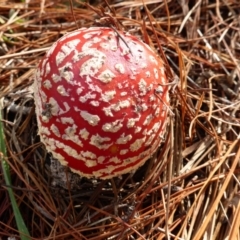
[190, 188]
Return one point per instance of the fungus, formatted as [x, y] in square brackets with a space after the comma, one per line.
[97, 107]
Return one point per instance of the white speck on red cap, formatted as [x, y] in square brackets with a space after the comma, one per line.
[90, 118]
[86, 97]
[94, 103]
[56, 78]
[84, 134]
[65, 110]
[88, 154]
[101, 159]
[55, 130]
[113, 126]
[99, 142]
[137, 144]
[132, 122]
[47, 84]
[120, 68]
[67, 120]
[124, 151]
[108, 95]
[115, 160]
[123, 94]
[106, 76]
[45, 131]
[124, 139]
[62, 90]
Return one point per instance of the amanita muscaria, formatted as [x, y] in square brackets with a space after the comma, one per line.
[101, 102]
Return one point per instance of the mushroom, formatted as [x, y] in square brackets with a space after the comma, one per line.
[101, 102]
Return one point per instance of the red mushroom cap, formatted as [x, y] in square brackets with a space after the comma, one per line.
[101, 102]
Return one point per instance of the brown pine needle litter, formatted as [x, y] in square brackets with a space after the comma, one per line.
[190, 188]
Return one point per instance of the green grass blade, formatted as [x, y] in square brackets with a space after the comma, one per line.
[24, 233]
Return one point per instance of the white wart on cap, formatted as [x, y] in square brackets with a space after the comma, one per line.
[96, 103]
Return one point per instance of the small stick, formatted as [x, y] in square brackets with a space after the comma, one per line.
[115, 30]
